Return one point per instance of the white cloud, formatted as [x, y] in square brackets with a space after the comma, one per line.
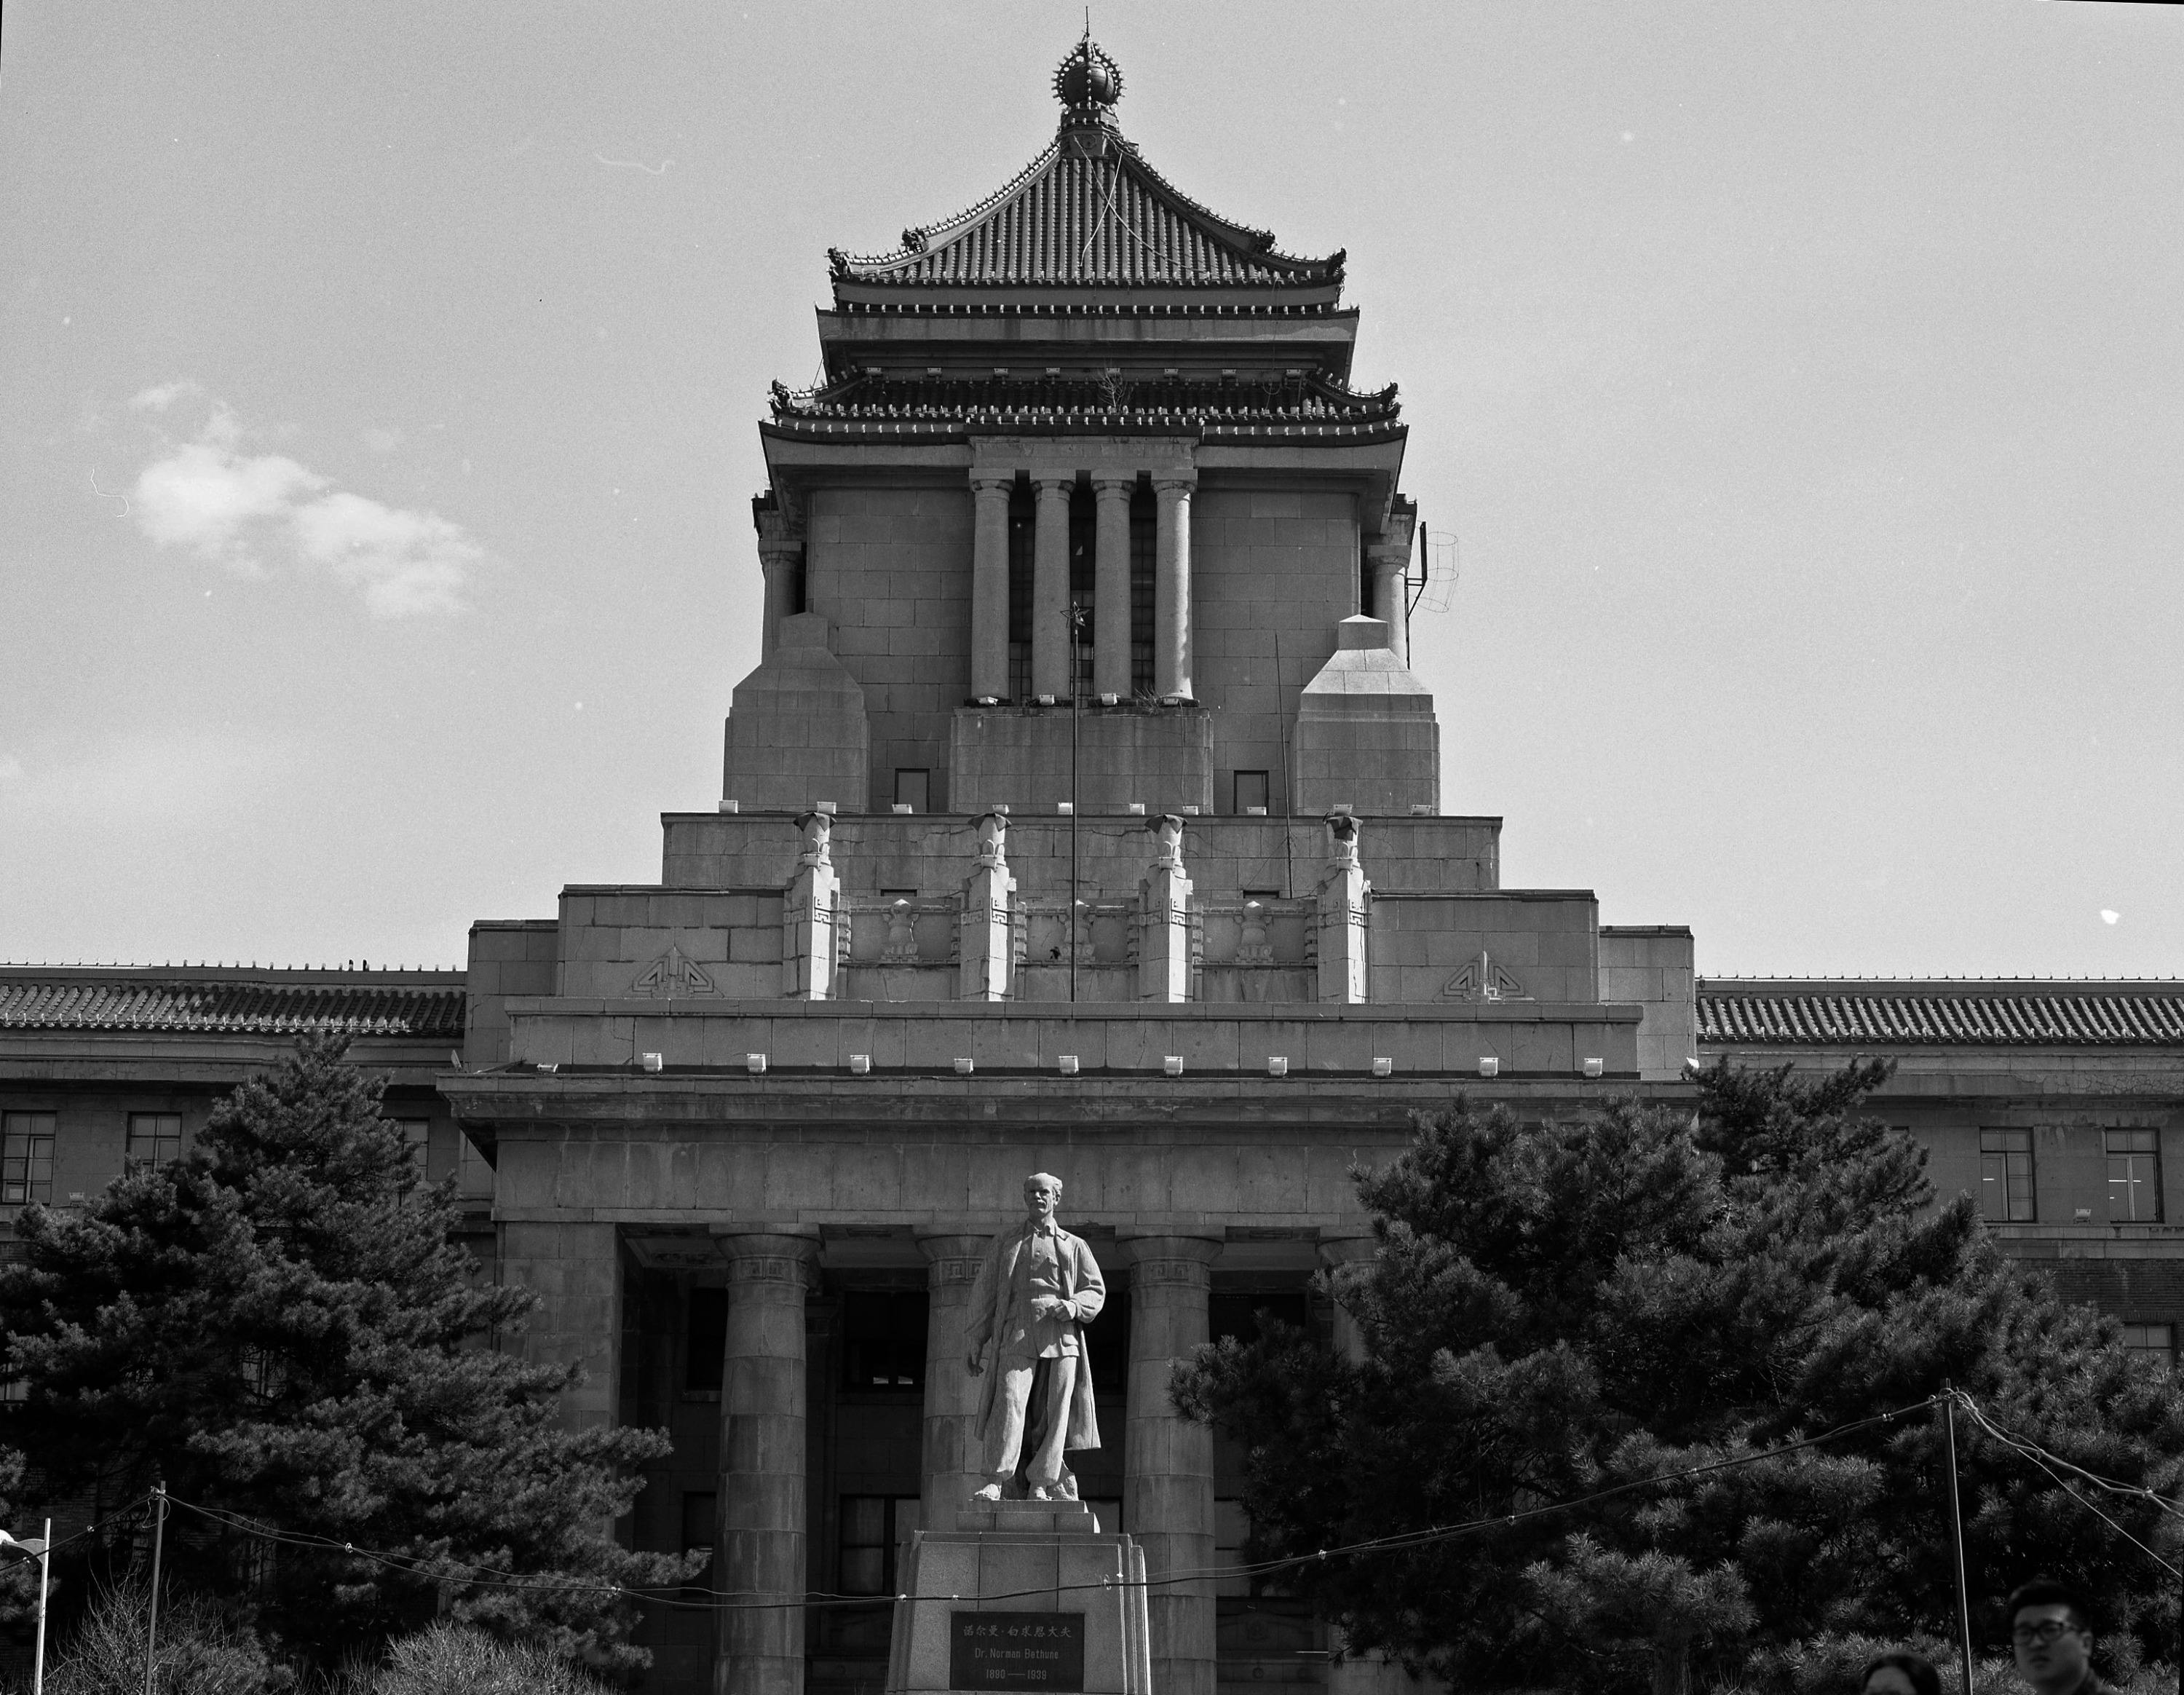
[237, 509]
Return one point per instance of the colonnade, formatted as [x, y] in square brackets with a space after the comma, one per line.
[992, 488]
[1169, 1461]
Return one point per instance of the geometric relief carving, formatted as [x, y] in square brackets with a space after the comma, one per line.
[1481, 979]
[674, 972]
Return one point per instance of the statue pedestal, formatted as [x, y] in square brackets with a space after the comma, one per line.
[1022, 1595]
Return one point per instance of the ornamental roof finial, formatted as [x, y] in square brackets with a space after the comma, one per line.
[1088, 82]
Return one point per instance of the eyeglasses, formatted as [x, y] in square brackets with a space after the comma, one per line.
[2046, 1631]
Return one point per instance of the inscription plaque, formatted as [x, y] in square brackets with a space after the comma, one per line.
[1017, 1651]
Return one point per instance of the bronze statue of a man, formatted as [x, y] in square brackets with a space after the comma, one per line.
[1038, 1287]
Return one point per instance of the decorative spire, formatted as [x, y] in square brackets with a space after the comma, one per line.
[1088, 82]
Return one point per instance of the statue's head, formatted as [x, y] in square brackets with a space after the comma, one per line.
[1042, 1195]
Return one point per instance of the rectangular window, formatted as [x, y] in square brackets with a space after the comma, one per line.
[2154, 1343]
[155, 1139]
[706, 1341]
[876, 1529]
[1231, 1525]
[2134, 1176]
[474, 1176]
[417, 1133]
[2006, 1176]
[698, 1517]
[913, 788]
[26, 1158]
[883, 1339]
[1252, 788]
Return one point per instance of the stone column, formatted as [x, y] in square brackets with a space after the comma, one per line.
[808, 962]
[985, 940]
[1049, 587]
[780, 554]
[1111, 591]
[1346, 1260]
[1172, 587]
[951, 1462]
[759, 1543]
[1384, 562]
[1167, 1489]
[1164, 918]
[990, 585]
[1343, 916]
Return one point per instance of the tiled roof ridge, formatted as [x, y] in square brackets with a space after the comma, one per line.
[1252, 247]
[94, 1002]
[1956, 1011]
[905, 390]
[1116, 309]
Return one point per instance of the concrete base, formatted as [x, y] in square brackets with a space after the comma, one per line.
[1036, 1583]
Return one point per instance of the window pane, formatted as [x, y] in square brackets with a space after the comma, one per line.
[1251, 790]
[154, 1138]
[697, 1511]
[26, 1158]
[913, 788]
[864, 1571]
[864, 1521]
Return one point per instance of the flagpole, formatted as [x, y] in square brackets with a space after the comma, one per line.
[38, 1655]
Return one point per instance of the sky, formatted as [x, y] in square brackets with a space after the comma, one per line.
[1796, 396]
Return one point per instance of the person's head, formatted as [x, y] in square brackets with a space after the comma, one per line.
[1899, 1673]
[2049, 1629]
[1042, 1194]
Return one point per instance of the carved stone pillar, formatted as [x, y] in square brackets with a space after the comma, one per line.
[1347, 1260]
[1172, 587]
[780, 557]
[990, 585]
[1111, 591]
[808, 962]
[1343, 916]
[1384, 564]
[1049, 587]
[985, 944]
[952, 1460]
[1164, 918]
[761, 1540]
[1167, 1488]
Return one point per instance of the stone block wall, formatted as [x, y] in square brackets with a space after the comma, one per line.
[1161, 756]
[797, 735]
[576, 1271]
[1653, 965]
[889, 566]
[661, 943]
[1273, 573]
[1536, 946]
[508, 956]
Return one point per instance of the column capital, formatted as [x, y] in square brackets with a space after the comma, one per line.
[1110, 485]
[1186, 1260]
[1338, 1252]
[1175, 482]
[951, 1258]
[775, 1255]
[1053, 481]
[992, 481]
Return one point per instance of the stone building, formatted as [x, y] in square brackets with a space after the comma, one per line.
[1083, 814]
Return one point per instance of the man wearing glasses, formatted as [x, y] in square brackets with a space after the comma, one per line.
[2054, 1648]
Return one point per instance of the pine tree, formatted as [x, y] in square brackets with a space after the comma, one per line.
[1559, 1311]
[281, 1327]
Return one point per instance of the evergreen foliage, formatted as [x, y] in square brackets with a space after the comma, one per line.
[1557, 1310]
[282, 1327]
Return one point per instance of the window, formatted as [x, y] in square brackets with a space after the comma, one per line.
[473, 1176]
[155, 1139]
[2156, 1344]
[699, 1507]
[876, 1529]
[913, 788]
[26, 1158]
[1231, 1525]
[2006, 1176]
[14, 1391]
[883, 1339]
[706, 1350]
[1144, 579]
[1022, 525]
[1251, 790]
[416, 1132]
[2134, 1176]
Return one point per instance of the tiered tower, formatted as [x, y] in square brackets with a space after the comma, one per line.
[1083, 814]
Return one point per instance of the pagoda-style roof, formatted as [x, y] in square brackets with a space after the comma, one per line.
[1089, 212]
[232, 1000]
[877, 404]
